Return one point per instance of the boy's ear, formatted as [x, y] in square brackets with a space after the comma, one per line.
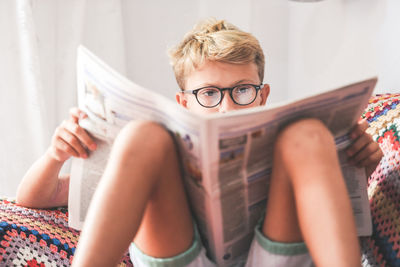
[181, 99]
[264, 94]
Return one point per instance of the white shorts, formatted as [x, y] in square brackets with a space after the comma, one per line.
[263, 252]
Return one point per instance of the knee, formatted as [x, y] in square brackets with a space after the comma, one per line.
[144, 137]
[305, 137]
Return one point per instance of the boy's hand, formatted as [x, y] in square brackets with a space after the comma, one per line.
[364, 152]
[70, 139]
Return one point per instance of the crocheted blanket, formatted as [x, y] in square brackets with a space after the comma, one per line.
[39, 237]
[383, 247]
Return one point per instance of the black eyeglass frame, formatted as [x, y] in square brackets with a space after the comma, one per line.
[230, 89]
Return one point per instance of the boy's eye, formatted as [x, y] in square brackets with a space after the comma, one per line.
[209, 92]
[242, 89]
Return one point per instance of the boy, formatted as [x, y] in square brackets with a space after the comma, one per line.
[141, 196]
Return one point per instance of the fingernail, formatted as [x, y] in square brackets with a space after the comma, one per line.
[93, 146]
[84, 156]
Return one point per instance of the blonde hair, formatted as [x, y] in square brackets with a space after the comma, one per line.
[215, 40]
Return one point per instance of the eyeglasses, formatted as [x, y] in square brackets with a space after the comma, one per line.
[211, 96]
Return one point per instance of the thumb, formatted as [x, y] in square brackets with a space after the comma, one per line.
[76, 114]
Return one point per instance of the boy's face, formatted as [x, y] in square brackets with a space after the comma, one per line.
[221, 75]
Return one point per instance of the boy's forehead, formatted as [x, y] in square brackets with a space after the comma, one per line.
[222, 74]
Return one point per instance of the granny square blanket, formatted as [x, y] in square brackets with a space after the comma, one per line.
[383, 247]
[37, 237]
[41, 237]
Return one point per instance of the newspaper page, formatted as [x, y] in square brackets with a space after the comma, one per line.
[111, 101]
[227, 158]
[240, 169]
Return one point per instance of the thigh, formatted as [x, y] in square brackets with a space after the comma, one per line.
[304, 152]
[281, 221]
[167, 226]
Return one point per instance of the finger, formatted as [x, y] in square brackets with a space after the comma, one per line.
[74, 142]
[76, 114]
[365, 153]
[63, 147]
[372, 162]
[81, 134]
[359, 129]
[362, 141]
[373, 159]
[57, 132]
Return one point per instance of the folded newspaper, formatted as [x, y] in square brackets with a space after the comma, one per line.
[227, 157]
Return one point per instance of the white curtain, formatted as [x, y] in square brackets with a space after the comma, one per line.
[309, 47]
[37, 71]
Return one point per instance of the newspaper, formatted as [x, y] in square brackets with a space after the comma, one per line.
[227, 158]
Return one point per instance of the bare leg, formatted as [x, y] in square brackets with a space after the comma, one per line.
[308, 198]
[140, 196]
